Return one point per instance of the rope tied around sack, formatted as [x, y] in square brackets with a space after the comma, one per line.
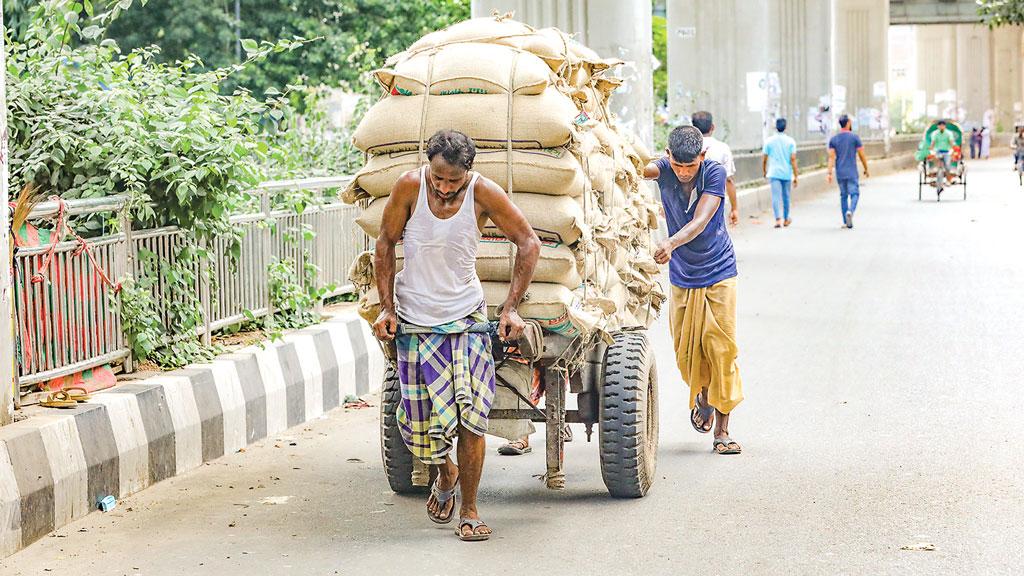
[60, 230]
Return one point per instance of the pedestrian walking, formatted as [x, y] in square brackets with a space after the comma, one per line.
[986, 142]
[446, 371]
[1018, 147]
[778, 165]
[843, 151]
[702, 271]
[975, 142]
[715, 149]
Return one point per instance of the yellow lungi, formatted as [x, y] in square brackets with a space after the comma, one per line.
[703, 323]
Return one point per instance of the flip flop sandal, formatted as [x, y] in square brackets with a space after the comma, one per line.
[705, 415]
[443, 497]
[473, 525]
[725, 444]
[516, 448]
[78, 393]
[58, 399]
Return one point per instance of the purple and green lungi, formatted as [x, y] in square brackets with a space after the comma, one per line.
[447, 378]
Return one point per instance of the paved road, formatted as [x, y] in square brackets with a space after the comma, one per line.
[883, 369]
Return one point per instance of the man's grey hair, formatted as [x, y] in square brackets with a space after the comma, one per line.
[685, 143]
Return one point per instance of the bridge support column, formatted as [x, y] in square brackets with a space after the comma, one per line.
[1008, 77]
[861, 38]
[749, 62]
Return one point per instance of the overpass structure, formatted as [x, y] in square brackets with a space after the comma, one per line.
[915, 12]
[752, 61]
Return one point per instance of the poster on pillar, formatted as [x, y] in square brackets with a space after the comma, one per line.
[763, 91]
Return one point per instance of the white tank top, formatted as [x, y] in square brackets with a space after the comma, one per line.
[438, 283]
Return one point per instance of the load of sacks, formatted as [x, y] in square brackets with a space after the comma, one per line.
[535, 102]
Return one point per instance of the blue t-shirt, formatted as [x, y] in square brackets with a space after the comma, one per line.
[846, 145]
[709, 258]
[779, 149]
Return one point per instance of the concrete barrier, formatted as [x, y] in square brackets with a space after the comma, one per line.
[57, 464]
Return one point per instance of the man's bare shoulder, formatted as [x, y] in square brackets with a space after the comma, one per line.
[407, 187]
[486, 191]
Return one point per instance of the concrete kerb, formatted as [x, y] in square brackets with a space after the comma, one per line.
[56, 465]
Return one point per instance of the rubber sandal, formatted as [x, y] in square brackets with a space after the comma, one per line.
[58, 399]
[473, 525]
[78, 394]
[705, 415]
[443, 497]
[514, 448]
[722, 446]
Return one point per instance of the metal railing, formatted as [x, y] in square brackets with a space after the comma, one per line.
[68, 321]
[815, 155]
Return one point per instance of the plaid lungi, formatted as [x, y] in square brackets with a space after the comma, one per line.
[447, 378]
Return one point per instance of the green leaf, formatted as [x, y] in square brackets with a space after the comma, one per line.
[250, 46]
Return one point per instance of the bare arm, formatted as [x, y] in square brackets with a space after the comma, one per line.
[734, 212]
[764, 165]
[396, 214]
[510, 220]
[863, 160]
[796, 173]
[831, 163]
[706, 208]
[651, 171]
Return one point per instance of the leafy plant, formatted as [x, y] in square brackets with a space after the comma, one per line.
[1002, 12]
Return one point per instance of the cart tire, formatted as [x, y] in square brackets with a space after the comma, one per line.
[397, 458]
[629, 416]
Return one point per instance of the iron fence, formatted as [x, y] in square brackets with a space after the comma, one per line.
[69, 321]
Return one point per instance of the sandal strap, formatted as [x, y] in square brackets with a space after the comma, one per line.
[443, 496]
[473, 523]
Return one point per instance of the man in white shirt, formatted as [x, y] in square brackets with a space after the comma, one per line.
[715, 149]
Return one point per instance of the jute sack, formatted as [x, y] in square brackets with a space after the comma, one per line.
[552, 305]
[556, 263]
[553, 171]
[601, 168]
[555, 218]
[546, 44]
[470, 68]
[541, 121]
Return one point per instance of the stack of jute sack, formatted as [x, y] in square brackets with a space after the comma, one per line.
[535, 102]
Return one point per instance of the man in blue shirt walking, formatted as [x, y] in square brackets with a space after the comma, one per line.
[702, 270]
[843, 150]
[778, 165]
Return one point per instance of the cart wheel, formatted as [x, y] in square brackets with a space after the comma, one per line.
[920, 182]
[629, 416]
[398, 460]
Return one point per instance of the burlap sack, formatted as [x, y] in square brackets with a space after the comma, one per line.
[556, 263]
[471, 68]
[553, 171]
[541, 121]
[546, 44]
[550, 304]
[554, 218]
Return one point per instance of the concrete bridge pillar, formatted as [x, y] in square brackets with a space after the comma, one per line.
[861, 63]
[749, 62]
[1008, 77]
[615, 29]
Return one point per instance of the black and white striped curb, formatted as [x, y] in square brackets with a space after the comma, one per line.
[54, 467]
